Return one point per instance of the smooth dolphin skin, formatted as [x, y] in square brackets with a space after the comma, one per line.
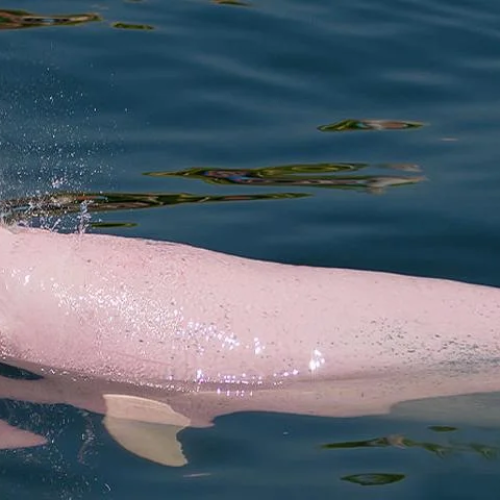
[171, 315]
[208, 334]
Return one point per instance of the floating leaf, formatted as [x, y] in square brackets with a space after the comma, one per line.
[374, 479]
[128, 26]
[351, 125]
[19, 19]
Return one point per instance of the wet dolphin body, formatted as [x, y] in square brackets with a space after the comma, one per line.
[151, 331]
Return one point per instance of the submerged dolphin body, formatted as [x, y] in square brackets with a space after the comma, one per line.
[156, 332]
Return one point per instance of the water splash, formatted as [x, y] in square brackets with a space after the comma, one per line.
[83, 217]
[59, 205]
[53, 152]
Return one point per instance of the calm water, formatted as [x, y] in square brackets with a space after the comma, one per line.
[353, 134]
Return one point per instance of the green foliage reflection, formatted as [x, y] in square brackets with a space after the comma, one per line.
[19, 19]
[237, 3]
[439, 449]
[128, 26]
[374, 478]
[442, 428]
[324, 175]
[351, 125]
[65, 203]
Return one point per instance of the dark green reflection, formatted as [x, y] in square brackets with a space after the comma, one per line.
[18, 19]
[107, 225]
[439, 449]
[66, 203]
[231, 2]
[350, 125]
[325, 175]
[128, 26]
[442, 428]
[374, 478]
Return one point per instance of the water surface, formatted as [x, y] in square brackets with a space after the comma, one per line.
[349, 134]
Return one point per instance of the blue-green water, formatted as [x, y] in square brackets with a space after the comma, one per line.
[218, 92]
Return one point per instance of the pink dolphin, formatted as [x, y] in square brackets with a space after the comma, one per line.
[206, 334]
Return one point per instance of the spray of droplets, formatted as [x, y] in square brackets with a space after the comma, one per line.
[49, 144]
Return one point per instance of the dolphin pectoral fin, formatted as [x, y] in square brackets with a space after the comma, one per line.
[13, 437]
[155, 442]
[146, 428]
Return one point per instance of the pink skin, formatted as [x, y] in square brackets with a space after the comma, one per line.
[212, 334]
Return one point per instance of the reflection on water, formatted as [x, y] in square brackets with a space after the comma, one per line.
[350, 125]
[374, 478]
[60, 204]
[324, 175]
[128, 26]
[231, 2]
[441, 450]
[442, 428]
[71, 425]
[111, 225]
[17, 19]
